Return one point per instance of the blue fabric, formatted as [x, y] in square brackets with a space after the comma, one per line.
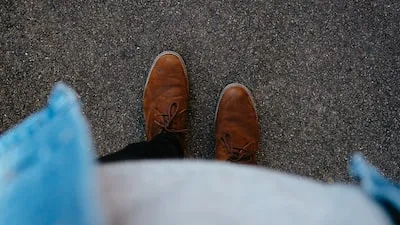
[374, 184]
[46, 167]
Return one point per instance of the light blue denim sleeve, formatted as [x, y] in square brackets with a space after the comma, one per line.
[47, 171]
[375, 185]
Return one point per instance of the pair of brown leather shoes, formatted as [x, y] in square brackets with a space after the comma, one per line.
[165, 103]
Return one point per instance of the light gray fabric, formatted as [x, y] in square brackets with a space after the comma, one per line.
[204, 192]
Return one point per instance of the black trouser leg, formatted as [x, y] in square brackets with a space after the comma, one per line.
[163, 146]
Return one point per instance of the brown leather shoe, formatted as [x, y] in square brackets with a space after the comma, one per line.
[166, 97]
[236, 126]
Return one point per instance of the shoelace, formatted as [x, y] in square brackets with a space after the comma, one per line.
[169, 117]
[237, 154]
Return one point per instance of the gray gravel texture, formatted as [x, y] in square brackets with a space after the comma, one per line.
[324, 74]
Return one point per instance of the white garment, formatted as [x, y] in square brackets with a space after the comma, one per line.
[190, 192]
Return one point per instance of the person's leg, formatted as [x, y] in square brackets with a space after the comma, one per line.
[165, 104]
[236, 126]
[163, 146]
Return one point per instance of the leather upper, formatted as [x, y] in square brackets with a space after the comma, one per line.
[237, 128]
[166, 95]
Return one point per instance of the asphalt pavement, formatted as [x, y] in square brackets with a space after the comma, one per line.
[325, 74]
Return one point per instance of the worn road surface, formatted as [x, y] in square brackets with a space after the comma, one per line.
[325, 75]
